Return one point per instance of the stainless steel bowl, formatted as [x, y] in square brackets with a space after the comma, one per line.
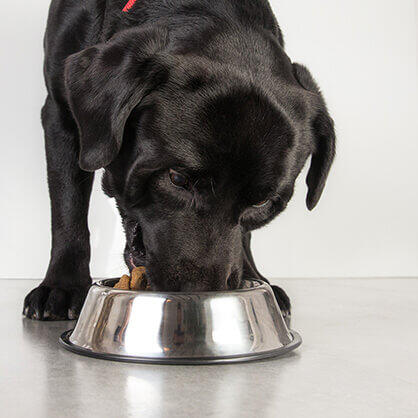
[181, 328]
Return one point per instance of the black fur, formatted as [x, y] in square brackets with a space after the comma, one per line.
[204, 88]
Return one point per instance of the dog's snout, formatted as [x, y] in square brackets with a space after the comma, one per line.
[203, 279]
[189, 277]
[204, 262]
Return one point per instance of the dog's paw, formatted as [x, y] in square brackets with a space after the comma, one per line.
[47, 303]
[283, 302]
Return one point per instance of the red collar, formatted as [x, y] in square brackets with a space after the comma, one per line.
[129, 5]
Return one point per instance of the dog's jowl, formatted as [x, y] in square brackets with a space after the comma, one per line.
[202, 124]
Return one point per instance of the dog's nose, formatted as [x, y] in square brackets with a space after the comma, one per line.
[201, 280]
[190, 276]
[187, 285]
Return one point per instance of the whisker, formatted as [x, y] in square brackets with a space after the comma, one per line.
[192, 202]
[213, 188]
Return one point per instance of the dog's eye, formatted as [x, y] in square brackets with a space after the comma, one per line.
[261, 204]
[178, 179]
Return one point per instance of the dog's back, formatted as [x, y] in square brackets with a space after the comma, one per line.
[195, 28]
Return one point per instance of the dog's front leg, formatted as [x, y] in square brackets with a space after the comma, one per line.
[62, 292]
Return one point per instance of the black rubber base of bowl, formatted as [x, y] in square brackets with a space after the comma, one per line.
[68, 345]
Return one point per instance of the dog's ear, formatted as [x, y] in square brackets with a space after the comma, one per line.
[323, 151]
[103, 85]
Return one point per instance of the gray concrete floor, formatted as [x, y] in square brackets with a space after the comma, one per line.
[359, 358]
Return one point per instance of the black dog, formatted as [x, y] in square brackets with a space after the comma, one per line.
[202, 124]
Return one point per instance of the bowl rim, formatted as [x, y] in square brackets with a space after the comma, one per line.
[65, 342]
[101, 285]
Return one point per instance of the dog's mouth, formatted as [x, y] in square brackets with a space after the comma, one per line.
[135, 254]
[136, 257]
[131, 260]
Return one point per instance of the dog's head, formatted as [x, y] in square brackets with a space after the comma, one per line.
[196, 153]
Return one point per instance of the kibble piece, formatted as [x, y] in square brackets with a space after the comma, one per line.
[123, 283]
[138, 281]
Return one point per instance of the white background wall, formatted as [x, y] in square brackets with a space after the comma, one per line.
[364, 56]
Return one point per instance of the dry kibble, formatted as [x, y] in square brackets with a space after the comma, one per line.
[137, 281]
[138, 276]
[123, 283]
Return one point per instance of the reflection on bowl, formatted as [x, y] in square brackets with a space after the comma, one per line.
[181, 327]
